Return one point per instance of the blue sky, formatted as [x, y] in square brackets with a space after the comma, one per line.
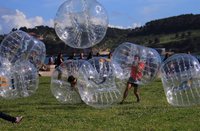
[121, 13]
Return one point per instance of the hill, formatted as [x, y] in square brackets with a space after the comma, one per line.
[170, 33]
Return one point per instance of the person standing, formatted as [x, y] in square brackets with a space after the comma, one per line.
[59, 60]
[90, 55]
[51, 60]
[72, 56]
[81, 56]
[135, 76]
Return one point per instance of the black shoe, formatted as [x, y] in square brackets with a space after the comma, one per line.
[138, 100]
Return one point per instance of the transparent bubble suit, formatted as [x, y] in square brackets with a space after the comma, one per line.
[81, 23]
[25, 78]
[60, 87]
[180, 75]
[20, 45]
[37, 54]
[96, 83]
[6, 76]
[123, 59]
[21, 80]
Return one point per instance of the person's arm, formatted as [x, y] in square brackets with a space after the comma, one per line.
[140, 67]
[61, 60]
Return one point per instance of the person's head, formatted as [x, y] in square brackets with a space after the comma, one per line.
[73, 54]
[81, 55]
[136, 57]
[72, 80]
[60, 55]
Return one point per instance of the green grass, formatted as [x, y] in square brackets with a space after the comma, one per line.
[167, 38]
[42, 112]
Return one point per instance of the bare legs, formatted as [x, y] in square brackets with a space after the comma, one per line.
[128, 87]
[136, 92]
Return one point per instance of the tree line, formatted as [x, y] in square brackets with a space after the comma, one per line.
[181, 27]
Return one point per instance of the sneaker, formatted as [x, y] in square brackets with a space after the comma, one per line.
[18, 119]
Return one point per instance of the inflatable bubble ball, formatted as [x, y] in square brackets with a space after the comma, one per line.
[37, 53]
[21, 80]
[96, 83]
[6, 79]
[64, 82]
[20, 45]
[180, 75]
[14, 45]
[25, 78]
[81, 23]
[139, 62]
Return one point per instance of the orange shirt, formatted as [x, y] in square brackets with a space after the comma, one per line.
[136, 71]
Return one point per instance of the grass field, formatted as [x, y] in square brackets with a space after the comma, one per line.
[42, 112]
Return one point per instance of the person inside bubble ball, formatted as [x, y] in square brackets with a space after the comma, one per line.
[135, 76]
[73, 81]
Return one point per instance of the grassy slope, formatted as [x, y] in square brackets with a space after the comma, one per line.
[42, 112]
[165, 39]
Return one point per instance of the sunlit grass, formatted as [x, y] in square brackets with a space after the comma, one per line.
[42, 112]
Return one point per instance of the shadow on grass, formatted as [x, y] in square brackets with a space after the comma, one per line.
[142, 110]
[62, 106]
[11, 110]
[44, 83]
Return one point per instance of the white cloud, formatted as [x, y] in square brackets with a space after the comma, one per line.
[99, 21]
[50, 23]
[116, 26]
[134, 25]
[18, 19]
